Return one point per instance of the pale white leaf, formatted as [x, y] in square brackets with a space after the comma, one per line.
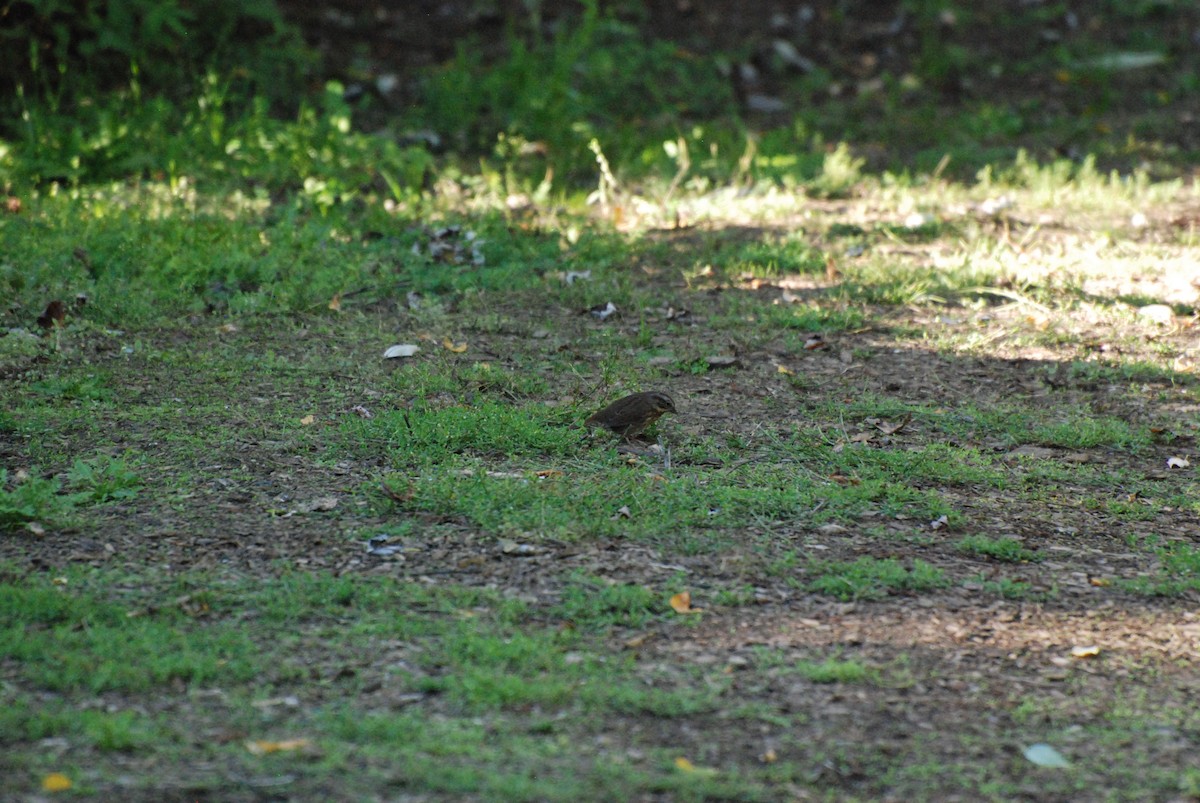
[1045, 756]
[401, 350]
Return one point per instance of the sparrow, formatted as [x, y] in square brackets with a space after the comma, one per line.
[629, 416]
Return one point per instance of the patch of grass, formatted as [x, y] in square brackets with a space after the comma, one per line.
[871, 578]
[120, 731]
[1008, 588]
[1008, 550]
[1178, 573]
[69, 642]
[34, 500]
[832, 670]
[489, 430]
[1085, 430]
[590, 603]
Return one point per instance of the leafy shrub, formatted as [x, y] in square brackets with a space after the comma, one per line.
[62, 51]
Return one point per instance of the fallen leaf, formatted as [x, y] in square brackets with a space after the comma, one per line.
[637, 641]
[227, 328]
[1090, 651]
[891, 429]
[940, 523]
[783, 369]
[308, 420]
[263, 747]
[549, 474]
[1045, 756]
[862, 437]
[1177, 462]
[768, 757]
[400, 350]
[335, 303]
[451, 346]
[398, 496]
[12, 205]
[320, 504]
[622, 513]
[56, 782]
[684, 765]
[1038, 452]
[682, 603]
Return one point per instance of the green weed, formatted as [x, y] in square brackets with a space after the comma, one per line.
[104, 479]
[34, 500]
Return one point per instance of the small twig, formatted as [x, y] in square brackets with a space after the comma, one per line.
[1011, 296]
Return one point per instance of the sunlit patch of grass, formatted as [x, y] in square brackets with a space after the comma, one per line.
[1085, 430]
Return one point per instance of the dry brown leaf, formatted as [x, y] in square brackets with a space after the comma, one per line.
[455, 348]
[891, 429]
[308, 420]
[814, 342]
[335, 303]
[398, 496]
[637, 641]
[682, 603]
[862, 437]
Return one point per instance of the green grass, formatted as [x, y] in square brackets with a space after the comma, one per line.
[1008, 550]
[1178, 573]
[871, 578]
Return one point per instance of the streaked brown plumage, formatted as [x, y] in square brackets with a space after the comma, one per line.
[629, 416]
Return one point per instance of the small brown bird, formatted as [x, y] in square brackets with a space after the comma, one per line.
[629, 416]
